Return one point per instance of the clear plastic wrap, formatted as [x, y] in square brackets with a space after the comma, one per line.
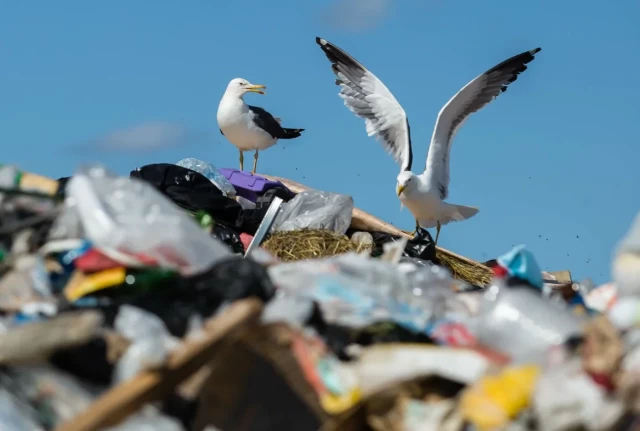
[315, 209]
[356, 291]
[212, 174]
[129, 220]
[151, 341]
[294, 310]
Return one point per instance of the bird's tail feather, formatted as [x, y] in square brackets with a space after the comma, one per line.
[462, 212]
[291, 133]
[452, 213]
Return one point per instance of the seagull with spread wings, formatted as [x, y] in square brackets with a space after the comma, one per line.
[368, 98]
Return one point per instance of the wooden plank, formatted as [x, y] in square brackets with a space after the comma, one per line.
[126, 398]
[562, 276]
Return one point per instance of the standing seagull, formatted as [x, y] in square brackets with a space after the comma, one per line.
[249, 127]
[367, 97]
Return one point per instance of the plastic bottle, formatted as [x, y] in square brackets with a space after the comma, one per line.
[212, 174]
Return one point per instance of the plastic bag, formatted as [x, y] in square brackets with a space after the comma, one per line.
[228, 236]
[191, 190]
[254, 217]
[212, 174]
[151, 342]
[356, 291]
[420, 247]
[237, 278]
[314, 209]
[129, 220]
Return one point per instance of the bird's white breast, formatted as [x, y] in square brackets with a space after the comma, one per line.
[424, 205]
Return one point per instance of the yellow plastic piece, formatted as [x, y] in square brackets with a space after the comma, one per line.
[336, 404]
[83, 285]
[494, 400]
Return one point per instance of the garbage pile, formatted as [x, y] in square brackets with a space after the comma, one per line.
[186, 297]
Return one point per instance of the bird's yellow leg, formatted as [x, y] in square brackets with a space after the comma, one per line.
[241, 160]
[437, 234]
[255, 162]
[415, 231]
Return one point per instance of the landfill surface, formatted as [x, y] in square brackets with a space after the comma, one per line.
[186, 297]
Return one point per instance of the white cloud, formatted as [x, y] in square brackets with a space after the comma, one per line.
[357, 15]
[146, 136]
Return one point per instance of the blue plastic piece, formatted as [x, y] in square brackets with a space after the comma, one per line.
[520, 262]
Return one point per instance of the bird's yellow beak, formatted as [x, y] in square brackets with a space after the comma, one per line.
[256, 88]
[400, 189]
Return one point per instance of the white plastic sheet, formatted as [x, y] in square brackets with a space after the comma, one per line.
[313, 209]
[129, 220]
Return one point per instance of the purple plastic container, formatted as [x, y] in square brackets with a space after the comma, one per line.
[249, 186]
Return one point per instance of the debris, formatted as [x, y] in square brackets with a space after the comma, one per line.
[159, 301]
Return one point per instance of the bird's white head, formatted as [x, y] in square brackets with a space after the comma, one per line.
[407, 182]
[239, 86]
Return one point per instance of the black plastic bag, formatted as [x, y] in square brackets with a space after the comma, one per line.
[237, 278]
[253, 217]
[228, 236]
[88, 361]
[192, 191]
[421, 246]
[202, 294]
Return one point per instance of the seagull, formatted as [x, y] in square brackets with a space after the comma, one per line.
[368, 98]
[249, 127]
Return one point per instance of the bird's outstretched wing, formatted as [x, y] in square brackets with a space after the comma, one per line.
[473, 97]
[367, 97]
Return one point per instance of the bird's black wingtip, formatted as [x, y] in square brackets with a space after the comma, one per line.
[535, 51]
[320, 41]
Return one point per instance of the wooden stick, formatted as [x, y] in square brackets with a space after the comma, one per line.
[364, 221]
[124, 399]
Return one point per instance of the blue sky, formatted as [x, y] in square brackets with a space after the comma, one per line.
[552, 163]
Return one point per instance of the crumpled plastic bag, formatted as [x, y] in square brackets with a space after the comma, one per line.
[313, 209]
[228, 236]
[212, 174]
[419, 247]
[133, 223]
[151, 341]
[356, 291]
